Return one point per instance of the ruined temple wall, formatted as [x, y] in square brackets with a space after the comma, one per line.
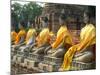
[74, 15]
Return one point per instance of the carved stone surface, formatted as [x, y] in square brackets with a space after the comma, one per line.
[74, 15]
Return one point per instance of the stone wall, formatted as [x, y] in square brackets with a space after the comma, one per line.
[74, 15]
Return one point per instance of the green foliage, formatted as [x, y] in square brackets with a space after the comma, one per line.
[26, 12]
[15, 11]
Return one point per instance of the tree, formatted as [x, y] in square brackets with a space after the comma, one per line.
[26, 12]
[15, 14]
[30, 11]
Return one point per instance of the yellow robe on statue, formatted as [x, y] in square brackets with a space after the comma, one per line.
[43, 37]
[21, 33]
[30, 34]
[13, 36]
[62, 34]
[87, 38]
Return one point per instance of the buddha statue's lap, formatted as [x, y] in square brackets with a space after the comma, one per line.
[86, 56]
[58, 52]
[40, 50]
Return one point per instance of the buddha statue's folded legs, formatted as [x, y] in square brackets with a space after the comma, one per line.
[58, 53]
[85, 56]
[40, 50]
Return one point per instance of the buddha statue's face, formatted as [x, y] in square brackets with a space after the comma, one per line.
[44, 23]
[31, 26]
[20, 26]
[86, 18]
[61, 22]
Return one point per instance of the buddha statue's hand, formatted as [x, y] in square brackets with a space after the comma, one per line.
[16, 47]
[47, 49]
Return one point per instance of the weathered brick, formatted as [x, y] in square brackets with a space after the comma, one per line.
[52, 68]
[14, 59]
[51, 60]
[43, 66]
[30, 64]
[25, 62]
[18, 61]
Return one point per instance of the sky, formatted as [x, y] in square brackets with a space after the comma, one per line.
[25, 2]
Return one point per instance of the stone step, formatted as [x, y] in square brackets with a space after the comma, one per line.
[51, 60]
[29, 63]
[76, 65]
[49, 67]
[36, 57]
[14, 58]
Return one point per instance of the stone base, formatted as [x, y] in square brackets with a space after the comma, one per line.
[49, 67]
[51, 60]
[29, 63]
[18, 60]
[14, 59]
[82, 66]
[36, 57]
